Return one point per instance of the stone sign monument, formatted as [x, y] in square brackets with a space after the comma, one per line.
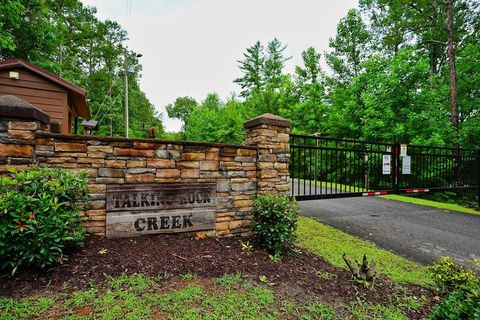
[134, 210]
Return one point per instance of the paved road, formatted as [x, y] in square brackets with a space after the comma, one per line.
[416, 232]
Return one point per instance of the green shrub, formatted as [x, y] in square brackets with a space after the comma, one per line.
[40, 216]
[462, 286]
[449, 276]
[275, 221]
[463, 303]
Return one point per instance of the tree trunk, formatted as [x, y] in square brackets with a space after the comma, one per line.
[451, 63]
[453, 92]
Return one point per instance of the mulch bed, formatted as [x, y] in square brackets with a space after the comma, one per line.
[296, 276]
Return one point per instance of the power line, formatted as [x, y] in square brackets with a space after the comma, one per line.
[110, 108]
[105, 97]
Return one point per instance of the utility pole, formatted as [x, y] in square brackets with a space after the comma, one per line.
[126, 94]
[110, 109]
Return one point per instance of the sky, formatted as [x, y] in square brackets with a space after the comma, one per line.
[191, 47]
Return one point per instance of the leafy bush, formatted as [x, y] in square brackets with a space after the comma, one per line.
[40, 216]
[275, 221]
[449, 276]
[463, 288]
[463, 303]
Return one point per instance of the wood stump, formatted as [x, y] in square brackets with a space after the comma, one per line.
[363, 271]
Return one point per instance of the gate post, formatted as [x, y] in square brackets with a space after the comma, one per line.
[270, 133]
[396, 167]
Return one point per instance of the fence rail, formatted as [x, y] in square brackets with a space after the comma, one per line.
[324, 167]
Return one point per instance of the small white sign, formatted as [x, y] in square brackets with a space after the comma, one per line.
[386, 164]
[403, 150]
[406, 165]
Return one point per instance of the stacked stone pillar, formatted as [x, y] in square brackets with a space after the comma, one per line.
[270, 133]
[19, 121]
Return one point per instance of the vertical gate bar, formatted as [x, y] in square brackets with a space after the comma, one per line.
[442, 169]
[310, 169]
[445, 169]
[335, 155]
[420, 166]
[433, 168]
[354, 171]
[304, 170]
[450, 169]
[316, 163]
[350, 167]
[428, 168]
[436, 172]
[354, 161]
[425, 167]
[394, 169]
[439, 171]
[331, 173]
[344, 171]
[292, 167]
[304, 165]
[320, 171]
[299, 169]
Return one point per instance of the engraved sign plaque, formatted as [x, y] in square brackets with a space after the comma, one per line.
[139, 209]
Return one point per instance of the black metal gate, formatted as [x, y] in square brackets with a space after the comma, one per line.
[322, 167]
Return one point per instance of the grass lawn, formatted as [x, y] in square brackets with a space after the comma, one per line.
[142, 297]
[429, 203]
[228, 297]
[331, 243]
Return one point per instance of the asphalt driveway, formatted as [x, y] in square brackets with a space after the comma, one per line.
[416, 232]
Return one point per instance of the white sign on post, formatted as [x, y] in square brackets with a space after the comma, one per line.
[406, 165]
[386, 164]
[403, 150]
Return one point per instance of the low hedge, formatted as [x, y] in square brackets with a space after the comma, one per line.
[275, 220]
[40, 216]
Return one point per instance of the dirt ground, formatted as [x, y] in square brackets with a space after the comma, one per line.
[300, 276]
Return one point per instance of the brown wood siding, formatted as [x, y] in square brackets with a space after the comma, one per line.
[45, 95]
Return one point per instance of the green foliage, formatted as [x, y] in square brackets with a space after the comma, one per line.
[450, 276]
[252, 68]
[139, 297]
[350, 47]
[247, 247]
[462, 287]
[229, 281]
[331, 243]
[275, 221]
[40, 216]
[188, 276]
[181, 109]
[363, 310]
[214, 121]
[463, 303]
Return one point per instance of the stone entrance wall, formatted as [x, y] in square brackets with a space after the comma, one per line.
[239, 172]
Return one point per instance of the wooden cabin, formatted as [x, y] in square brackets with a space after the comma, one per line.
[60, 99]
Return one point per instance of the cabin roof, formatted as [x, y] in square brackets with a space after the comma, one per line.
[77, 94]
